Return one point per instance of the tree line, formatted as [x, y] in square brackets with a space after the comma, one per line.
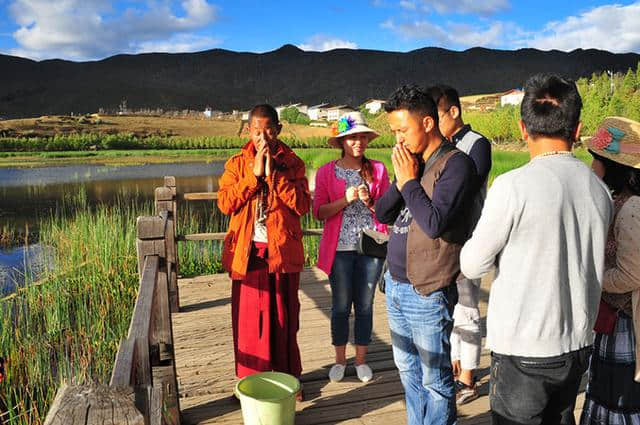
[603, 95]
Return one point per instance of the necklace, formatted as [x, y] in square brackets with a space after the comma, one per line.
[556, 153]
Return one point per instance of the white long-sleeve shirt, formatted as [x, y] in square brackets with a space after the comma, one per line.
[544, 226]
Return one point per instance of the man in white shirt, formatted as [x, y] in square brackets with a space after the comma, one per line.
[544, 226]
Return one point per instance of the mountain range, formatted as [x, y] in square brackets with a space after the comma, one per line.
[226, 80]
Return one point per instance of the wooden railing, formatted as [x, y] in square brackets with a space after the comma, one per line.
[143, 387]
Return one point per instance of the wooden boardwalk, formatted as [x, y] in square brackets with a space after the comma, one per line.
[204, 360]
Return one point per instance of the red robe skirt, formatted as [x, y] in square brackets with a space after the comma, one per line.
[265, 310]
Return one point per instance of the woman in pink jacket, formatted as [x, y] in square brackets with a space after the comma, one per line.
[345, 194]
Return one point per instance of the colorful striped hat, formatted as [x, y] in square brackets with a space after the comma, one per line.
[618, 139]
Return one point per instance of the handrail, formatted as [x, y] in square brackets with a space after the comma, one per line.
[145, 362]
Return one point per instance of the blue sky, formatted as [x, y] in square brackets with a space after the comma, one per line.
[94, 29]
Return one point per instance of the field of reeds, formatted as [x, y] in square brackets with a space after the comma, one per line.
[96, 142]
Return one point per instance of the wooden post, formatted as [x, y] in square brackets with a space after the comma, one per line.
[150, 232]
[170, 182]
[93, 405]
[122, 375]
[174, 298]
[141, 328]
[165, 395]
[165, 200]
[171, 248]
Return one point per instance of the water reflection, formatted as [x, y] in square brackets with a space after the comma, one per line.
[28, 195]
[21, 264]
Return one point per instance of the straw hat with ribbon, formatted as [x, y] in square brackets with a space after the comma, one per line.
[349, 123]
[618, 139]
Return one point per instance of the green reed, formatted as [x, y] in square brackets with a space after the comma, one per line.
[91, 142]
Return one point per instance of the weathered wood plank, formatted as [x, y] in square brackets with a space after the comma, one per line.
[165, 389]
[123, 368]
[170, 241]
[169, 181]
[202, 237]
[198, 196]
[163, 194]
[161, 326]
[146, 248]
[142, 319]
[93, 405]
[150, 227]
[174, 292]
[204, 361]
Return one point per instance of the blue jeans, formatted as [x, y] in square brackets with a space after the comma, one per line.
[420, 328]
[353, 281]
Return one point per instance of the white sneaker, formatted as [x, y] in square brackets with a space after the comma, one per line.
[336, 373]
[364, 372]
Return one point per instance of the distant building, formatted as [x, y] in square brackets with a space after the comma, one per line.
[318, 112]
[512, 97]
[334, 113]
[374, 105]
[245, 115]
[207, 112]
[302, 108]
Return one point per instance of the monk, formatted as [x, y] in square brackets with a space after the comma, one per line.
[265, 192]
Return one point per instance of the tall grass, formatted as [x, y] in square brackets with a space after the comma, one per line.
[120, 142]
[66, 327]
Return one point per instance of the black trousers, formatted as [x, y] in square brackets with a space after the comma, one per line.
[536, 390]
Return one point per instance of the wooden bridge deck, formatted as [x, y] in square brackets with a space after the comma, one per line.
[204, 360]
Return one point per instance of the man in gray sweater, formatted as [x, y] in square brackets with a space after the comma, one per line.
[544, 226]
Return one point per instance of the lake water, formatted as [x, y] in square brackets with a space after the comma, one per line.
[27, 194]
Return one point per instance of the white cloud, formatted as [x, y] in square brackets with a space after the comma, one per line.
[91, 29]
[179, 43]
[454, 35]
[322, 43]
[409, 5]
[612, 27]
[485, 7]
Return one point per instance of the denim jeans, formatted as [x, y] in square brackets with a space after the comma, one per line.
[353, 281]
[536, 390]
[420, 329]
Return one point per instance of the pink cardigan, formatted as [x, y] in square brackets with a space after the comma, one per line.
[329, 188]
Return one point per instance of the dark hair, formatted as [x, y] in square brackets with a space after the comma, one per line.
[264, 111]
[551, 107]
[446, 93]
[619, 177]
[413, 99]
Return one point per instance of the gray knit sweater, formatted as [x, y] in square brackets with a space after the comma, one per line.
[544, 226]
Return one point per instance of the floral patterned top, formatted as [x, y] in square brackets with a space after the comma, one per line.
[356, 216]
